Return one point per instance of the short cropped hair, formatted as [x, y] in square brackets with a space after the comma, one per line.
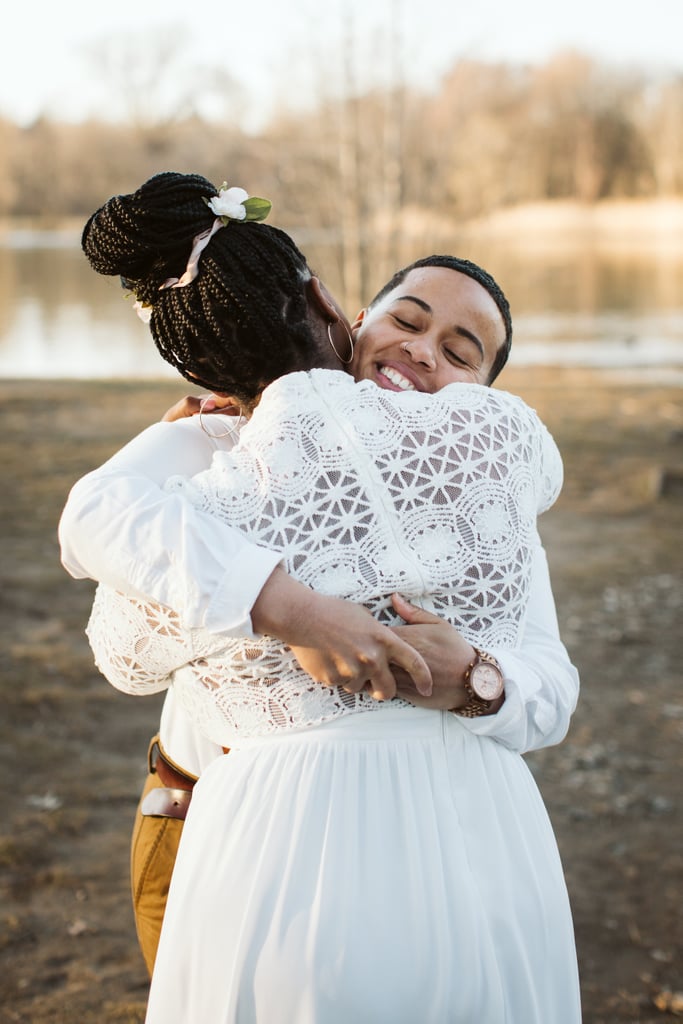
[477, 273]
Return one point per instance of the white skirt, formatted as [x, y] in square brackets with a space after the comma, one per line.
[385, 867]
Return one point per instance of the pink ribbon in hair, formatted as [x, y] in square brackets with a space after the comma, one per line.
[199, 244]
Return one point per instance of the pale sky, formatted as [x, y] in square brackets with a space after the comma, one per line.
[274, 48]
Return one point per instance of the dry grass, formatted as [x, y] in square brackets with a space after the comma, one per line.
[72, 749]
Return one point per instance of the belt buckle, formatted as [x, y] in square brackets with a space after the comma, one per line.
[162, 802]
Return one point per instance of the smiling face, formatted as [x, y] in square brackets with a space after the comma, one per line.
[436, 327]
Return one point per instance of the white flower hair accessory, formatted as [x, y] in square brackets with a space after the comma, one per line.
[236, 204]
[230, 204]
[143, 310]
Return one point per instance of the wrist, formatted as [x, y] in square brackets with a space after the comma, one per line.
[282, 607]
[484, 686]
[495, 706]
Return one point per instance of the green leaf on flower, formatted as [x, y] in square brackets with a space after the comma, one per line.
[257, 209]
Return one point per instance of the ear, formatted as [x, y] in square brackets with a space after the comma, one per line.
[358, 322]
[322, 300]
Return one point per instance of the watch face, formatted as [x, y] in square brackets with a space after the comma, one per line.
[486, 681]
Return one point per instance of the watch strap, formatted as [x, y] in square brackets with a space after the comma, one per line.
[475, 706]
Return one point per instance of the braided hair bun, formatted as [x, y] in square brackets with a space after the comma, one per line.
[145, 236]
[244, 320]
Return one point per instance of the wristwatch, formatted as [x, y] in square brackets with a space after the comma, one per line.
[483, 684]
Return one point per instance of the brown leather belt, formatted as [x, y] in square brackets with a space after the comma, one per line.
[172, 798]
[171, 776]
[162, 802]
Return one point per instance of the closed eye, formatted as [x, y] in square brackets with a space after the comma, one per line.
[456, 358]
[405, 324]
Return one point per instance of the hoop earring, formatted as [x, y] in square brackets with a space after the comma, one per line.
[226, 433]
[334, 347]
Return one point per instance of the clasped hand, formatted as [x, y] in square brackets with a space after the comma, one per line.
[341, 644]
[370, 661]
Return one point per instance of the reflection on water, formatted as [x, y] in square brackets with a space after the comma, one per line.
[59, 319]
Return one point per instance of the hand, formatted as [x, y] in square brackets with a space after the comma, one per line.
[446, 652]
[192, 405]
[337, 642]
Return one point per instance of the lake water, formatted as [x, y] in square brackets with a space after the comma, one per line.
[584, 308]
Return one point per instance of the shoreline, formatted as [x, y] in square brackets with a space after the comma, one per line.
[610, 224]
[620, 224]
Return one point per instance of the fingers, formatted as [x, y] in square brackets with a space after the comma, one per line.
[351, 649]
[353, 684]
[222, 403]
[382, 693]
[407, 658]
[381, 687]
[368, 670]
[411, 697]
[411, 613]
[374, 676]
[187, 406]
[374, 672]
[191, 405]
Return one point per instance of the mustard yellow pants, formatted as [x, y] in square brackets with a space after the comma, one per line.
[153, 852]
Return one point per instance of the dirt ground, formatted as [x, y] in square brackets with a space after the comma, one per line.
[72, 749]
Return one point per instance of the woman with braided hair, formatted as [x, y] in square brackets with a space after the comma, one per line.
[350, 859]
[224, 329]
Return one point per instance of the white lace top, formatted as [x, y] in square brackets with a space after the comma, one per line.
[364, 492]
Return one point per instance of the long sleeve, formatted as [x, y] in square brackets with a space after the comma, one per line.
[541, 684]
[139, 644]
[119, 527]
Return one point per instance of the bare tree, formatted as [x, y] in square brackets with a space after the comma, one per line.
[9, 148]
[659, 115]
[370, 172]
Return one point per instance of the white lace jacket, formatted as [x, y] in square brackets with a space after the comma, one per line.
[363, 492]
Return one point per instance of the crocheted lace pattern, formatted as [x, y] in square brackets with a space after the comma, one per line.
[365, 492]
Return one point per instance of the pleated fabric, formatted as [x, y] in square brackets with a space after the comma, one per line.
[388, 866]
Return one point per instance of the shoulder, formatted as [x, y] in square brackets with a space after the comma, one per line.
[482, 396]
[303, 392]
[301, 385]
[499, 407]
